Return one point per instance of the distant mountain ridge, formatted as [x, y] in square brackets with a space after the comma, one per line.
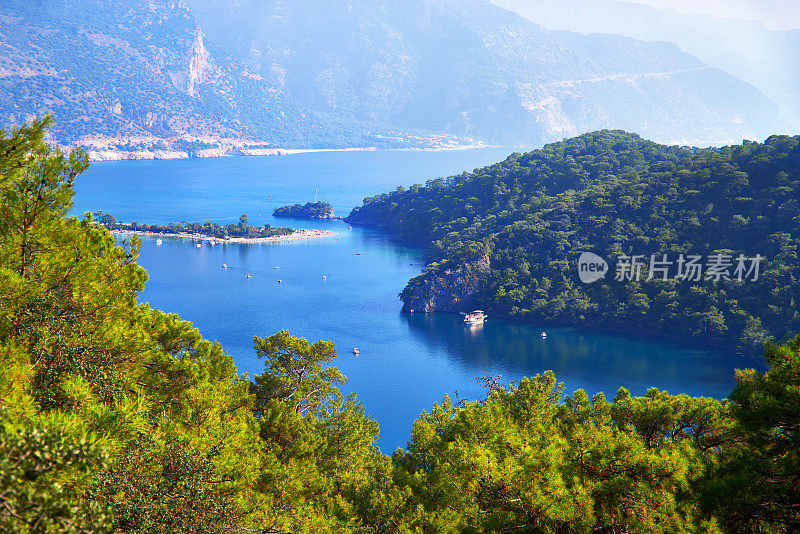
[467, 67]
[170, 78]
[768, 59]
[143, 77]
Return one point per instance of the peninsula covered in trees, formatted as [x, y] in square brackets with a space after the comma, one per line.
[236, 232]
[506, 238]
[118, 417]
[311, 210]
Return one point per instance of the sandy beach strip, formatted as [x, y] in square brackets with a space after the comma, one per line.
[294, 236]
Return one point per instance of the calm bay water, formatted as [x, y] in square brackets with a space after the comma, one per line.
[406, 362]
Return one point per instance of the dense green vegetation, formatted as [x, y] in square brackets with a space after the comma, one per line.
[118, 417]
[614, 193]
[209, 229]
[310, 210]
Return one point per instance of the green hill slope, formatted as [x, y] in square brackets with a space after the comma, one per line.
[507, 237]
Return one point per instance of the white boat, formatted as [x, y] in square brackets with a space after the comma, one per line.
[158, 242]
[355, 351]
[475, 318]
[544, 335]
[224, 265]
[198, 245]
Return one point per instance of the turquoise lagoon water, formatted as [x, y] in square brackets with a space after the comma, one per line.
[406, 362]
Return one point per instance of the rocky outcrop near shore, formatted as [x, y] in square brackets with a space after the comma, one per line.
[446, 289]
[311, 210]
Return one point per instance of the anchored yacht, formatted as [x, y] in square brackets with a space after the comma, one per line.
[475, 318]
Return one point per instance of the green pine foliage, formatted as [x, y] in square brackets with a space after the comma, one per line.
[614, 193]
[757, 481]
[528, 459]
[116, 417]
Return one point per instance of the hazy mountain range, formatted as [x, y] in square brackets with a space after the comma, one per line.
[767, 59]
[141, 76]
[209, 77]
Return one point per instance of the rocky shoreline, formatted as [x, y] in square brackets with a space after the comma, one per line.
[447, 288]
[110, 154]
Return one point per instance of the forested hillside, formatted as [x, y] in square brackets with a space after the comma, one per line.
[507, 237]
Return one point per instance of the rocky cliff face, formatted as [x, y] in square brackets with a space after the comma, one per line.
[125, 69]
[446, 289]
[194, 69]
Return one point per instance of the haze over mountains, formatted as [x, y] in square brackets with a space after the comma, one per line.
[774, 14]
[768, 59]
[213, 77]
[133, 76]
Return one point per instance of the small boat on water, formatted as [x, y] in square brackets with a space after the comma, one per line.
[355, 351]
[159, 242]
[276, 267]
[198, 245]
[324, 277]
[224, 265]
[544, 335]
[475, 318]
[248, 276]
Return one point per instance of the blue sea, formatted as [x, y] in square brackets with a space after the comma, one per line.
[345, 289]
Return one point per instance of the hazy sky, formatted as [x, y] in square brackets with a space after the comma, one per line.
[775, 14]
